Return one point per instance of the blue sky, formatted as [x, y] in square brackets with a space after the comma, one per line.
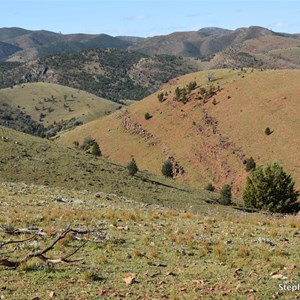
[148, 18]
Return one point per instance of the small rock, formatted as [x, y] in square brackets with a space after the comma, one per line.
[130, 279]
[277, 276]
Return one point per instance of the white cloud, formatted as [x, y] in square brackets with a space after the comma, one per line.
[282, 24]
[137, 18]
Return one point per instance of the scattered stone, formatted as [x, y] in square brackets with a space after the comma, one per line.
[130, 279]
[266, 241]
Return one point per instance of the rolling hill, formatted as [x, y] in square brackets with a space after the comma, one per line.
[50, 105]
[31, 45]
[209, 132]
[209, 47]
[219, 48]
[32, 160]
[109, 73]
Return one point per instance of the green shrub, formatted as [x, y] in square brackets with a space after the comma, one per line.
[160, 97]
[177, 93]
[95, 149]
[250, 164]
[226, 195]
[210, 187]
[192, 85]
[268, 131]
[147, 116]
[167, 169]
[271, 189]
[132, 167]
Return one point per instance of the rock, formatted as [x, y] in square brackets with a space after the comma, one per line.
[130, 279]
[277, 276]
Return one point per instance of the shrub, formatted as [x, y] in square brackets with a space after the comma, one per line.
[210, 187]
[167, 169]
[226, 195]
[271, 189]
[132, 167]
[95, 149]
[147, 116]
[250, 164]
[214, 102]
[192, 85]
[160, 97]
[177, 93]
[268, 131]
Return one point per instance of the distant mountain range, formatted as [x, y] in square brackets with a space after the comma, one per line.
[213, 47]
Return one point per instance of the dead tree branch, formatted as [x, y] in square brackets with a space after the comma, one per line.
[41, 254]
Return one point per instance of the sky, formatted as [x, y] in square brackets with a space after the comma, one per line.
[148, 18]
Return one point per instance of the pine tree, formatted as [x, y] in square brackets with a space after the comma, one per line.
[250, 164]
[268, 131]
[210, 187]
[226, 195]
[132, 167]
[167, 169]
[95, 149]
[271, 189]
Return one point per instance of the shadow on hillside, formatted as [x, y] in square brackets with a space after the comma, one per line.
[160, 184]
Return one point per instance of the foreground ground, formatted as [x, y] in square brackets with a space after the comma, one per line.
[144, 251]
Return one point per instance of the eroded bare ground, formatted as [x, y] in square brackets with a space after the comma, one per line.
[131, 250]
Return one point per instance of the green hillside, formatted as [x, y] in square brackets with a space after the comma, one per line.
[109, 73]
[55, 105]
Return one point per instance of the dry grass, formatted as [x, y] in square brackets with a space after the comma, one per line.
[172, 255]
[57, 102]
[247, 103]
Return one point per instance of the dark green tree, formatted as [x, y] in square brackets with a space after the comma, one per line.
[160, 97]
[95, 149]
[268, 131]
[132, 167]
[192, 85]
[271, 189]
[250, 164]
[177, 93]
[210, 187]
[226, 195]
[167, 169]
[147, 116]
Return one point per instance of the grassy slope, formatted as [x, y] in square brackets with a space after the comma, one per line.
[209, 252]
[217, 254]
[79, 104]
[247, 104]
[29, 159]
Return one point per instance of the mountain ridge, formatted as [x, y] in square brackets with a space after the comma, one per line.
[202, 43]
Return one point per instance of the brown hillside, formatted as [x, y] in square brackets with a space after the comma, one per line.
[209, 138]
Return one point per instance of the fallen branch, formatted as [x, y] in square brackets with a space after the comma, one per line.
[2, 244]
[41, 254]
[29, 230]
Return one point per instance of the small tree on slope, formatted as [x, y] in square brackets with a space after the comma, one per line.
[132, 167]
[271, 189]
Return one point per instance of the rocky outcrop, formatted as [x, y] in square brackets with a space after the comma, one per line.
[136, 128]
